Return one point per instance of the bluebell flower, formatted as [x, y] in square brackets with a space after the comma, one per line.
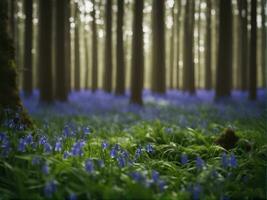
[138, 152]
[66, 131]
[224, 160]
[58, 146]
[42, 140]
[72, 196]
[196, 191]
[45, 169]
[29, 139]
[184, 159]
[125, 154]
[2, 136]
[66, 154]
[77, 148]
[47, 148]
[117, 147]
[101, 163]
[155, 175]
[22, 145]
[199, 163]
[36, 160]
[104, 145]
[233, 161]
[113, 153]
[149, 148]
[86, 130]
[121, 161]
[50, 188]
[89, 165]
[137, 177]
[161, 184]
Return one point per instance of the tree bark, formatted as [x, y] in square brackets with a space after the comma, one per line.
[68, 47]
[120, 78]
[86, 52]
[158, 47]
[27, 72]
[77, 67]
[263, 56]
[94, 51]
[45, 51]
[61, 82]
[243, 10]
[137, 54]
[108, 48]
[9, 95]
[172, 48]
[224, 68]
[179, 7]
[253, 53]
[208, 75]
[189, 68]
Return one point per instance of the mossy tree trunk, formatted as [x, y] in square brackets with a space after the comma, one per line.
[137, 54]
[9, 97]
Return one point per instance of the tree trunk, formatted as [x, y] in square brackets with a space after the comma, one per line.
[198, 44]
[137, 54]
[94, 52]
[27, 73]
[120, 78]
[208, 75]
[179, 7]
[77, 67]
[158, 47]
[86, 52]
[68, 47]
[172, 48]
[189, 68]
[61, 82]
[263, 56]
[108, 48]
[9, 95]
[45, 51]
[243, 10]
[253, 53]
[224, 68]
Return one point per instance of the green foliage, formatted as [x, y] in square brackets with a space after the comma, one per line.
[20, 178]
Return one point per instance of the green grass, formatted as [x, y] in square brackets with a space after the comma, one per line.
[20, 179]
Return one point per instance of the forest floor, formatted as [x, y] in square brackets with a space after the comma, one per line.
[97, 146]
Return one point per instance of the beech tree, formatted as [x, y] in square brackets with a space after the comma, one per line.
[224, 64]
[158, 47]
[27, 71]
[9, 95]
[137, 78]
[45, 51]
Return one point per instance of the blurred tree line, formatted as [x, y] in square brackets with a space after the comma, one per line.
[120, 45]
